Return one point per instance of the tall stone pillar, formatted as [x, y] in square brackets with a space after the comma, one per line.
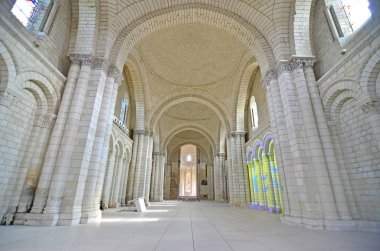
[137, 138]
[230, 174]
[74, 188]
[139, 180]
[113, 76]
[155, 176]
[106, 193]
[281, 145]
[90, 208]
[210, 181]
[161, 177]
[33, 161]
[125, 182]
[340, 197]
[64, 155]
[117, 180]
[318, 165]
[305, 196]
[218, 177]
[56, 137]
[238, 193]
[148, 170]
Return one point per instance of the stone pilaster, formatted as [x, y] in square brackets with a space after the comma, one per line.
[132, 168]
[34, 159]
[139, 177]
[148, 170]
[113, 76]
[106, 193]
[56, 138]
[117, 181]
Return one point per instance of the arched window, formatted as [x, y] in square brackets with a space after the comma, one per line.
[254, 114]
[36, 15]
[347, 16]
[124, 110]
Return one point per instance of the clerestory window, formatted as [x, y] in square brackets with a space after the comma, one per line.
[36, 15]
[254, 114]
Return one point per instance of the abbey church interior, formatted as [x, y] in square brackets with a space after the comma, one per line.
[190, 124]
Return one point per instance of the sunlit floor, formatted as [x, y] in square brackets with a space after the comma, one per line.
[183, 226]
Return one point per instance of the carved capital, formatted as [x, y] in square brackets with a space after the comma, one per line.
[88, 60]
[7, 99]
[283, 66]
[75, 59]
[45, 120]
[296, 64]
[370, 107]
[114, 73]
[82, 59]
[269, 76]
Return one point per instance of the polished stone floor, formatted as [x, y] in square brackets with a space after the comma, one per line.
[184, 226]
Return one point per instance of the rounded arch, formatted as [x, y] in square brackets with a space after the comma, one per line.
[249, 70]
[369, 78]
[188, 142]
[7, 68]
[137, 92]
[196, 128]
[112, 147]
[257, 147]
[175, 98]
[339, 92]
[40, 84]
[200, 13]
[267, 142]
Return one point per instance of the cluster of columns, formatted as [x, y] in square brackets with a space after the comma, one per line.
[238, 187]
[313, 192]
[69, 187]
[116, 179]
[157, 185]
[264, 181]
[220, 178]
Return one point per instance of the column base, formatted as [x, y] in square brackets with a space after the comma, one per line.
[91, 217]
[38, 219]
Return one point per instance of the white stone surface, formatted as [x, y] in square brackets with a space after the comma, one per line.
[174, 225]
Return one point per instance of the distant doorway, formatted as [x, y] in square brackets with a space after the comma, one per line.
[188, 172]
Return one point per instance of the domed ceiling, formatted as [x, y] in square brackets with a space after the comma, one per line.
[192, 55]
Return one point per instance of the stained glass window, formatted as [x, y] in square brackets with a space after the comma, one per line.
[25, 11]
[357, 12]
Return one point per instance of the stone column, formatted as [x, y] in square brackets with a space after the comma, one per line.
[167, 180]
[155, 176]
[281, 144]
[71, 206]
[230, 167]
[132, 169]
[160, 182]
[33, 162]
[139, 179]
[108, 178]
[51, 154]
[219, 177]
[113, 75]
[124, 178]
[123, 193]
[117, 181]
[326, 142]
[66, 151]
[305, 197]
[90, 209]
[210, 181]
[148, 172]
[317, 161]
